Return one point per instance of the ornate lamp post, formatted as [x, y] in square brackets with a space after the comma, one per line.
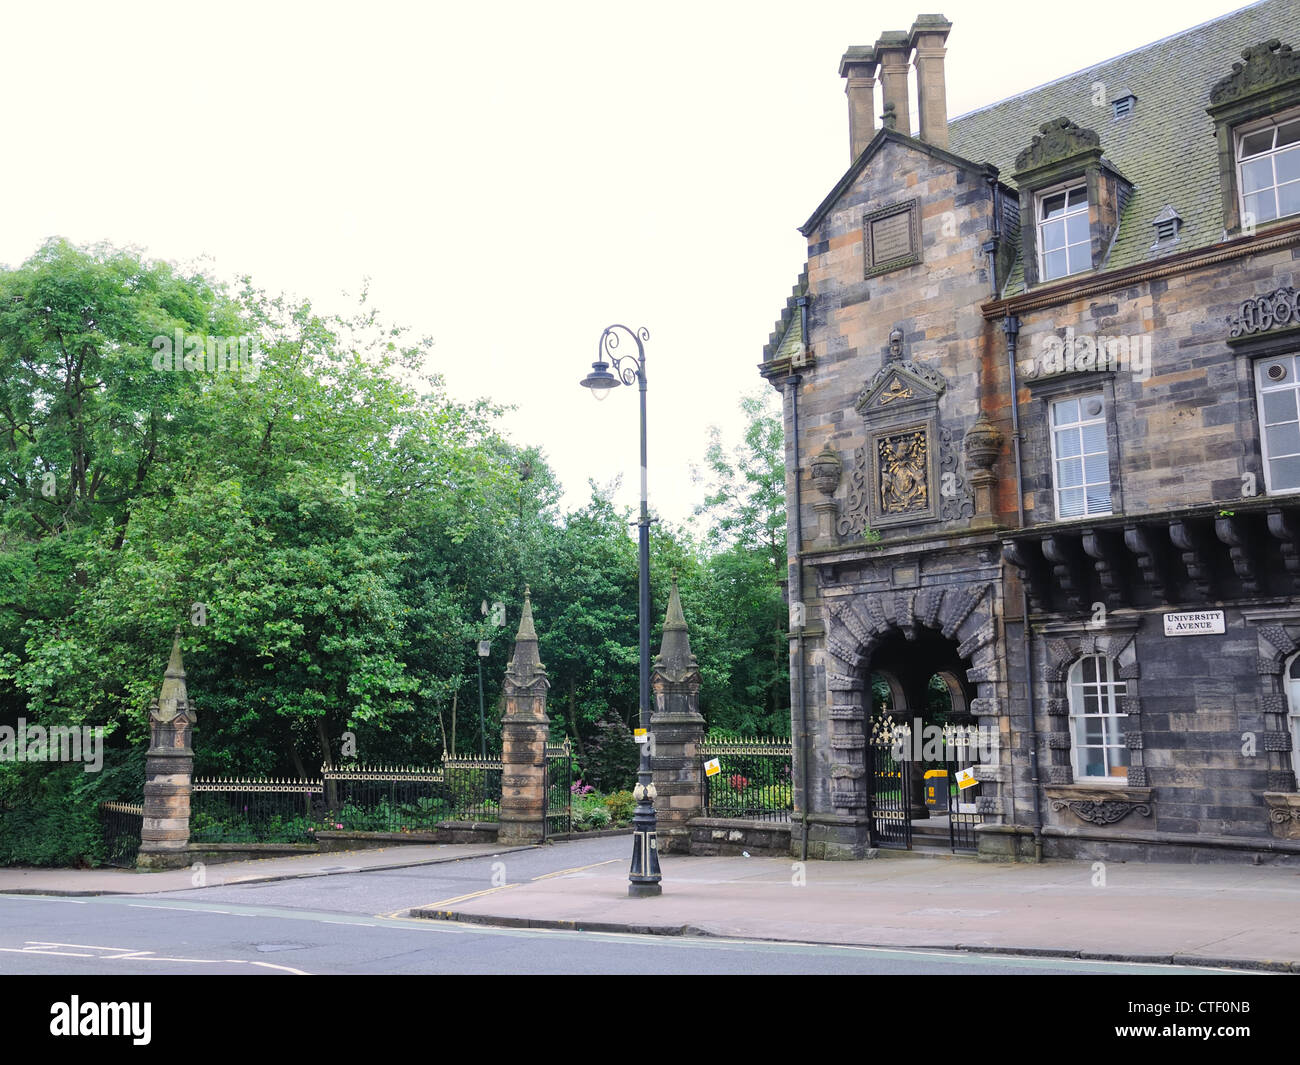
[644, 877]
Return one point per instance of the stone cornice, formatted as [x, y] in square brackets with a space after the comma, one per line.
[1274, 238]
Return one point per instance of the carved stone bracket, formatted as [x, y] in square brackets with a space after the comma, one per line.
[1101, 805]
[1282, 529]
[1104, 548]
[1232, 531]
[1151, 561]
[1069, 568]
[1197, 554]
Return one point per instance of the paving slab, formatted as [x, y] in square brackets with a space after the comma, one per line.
[1241, 915]
[103, 881]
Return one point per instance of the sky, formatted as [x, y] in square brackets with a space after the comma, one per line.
[511, 177]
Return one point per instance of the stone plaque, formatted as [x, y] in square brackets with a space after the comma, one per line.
[892, 237]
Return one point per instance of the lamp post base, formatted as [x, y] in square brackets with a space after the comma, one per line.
[644, 876]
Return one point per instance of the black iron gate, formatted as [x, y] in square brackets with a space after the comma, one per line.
[940, 787]
[891, 797]
[558, 819]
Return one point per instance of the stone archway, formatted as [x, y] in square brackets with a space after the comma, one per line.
[856, 626]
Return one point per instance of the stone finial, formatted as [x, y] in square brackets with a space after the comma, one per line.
[826, 470]
[983, 443]
[173, 698]
[525, 662]
[675, 658]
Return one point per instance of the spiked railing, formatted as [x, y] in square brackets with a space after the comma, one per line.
[121, 823]
[753, 781]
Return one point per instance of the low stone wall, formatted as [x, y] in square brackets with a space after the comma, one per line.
[723, 835]
[1095, 845]
[216, 853]
[468, 832]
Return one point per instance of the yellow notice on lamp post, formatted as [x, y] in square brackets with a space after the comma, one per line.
[966, 779]
[640, 735]
[712, 767]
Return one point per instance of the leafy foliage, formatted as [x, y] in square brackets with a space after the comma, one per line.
[330, 534]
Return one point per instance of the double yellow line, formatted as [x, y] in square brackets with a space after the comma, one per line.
[491, 890]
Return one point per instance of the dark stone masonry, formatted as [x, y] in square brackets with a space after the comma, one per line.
[1044, 365]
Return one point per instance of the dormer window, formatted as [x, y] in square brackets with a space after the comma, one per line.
[1268, 167]
[1257, 126]
[1122, 106]
[1064, 245]
[1075, 198]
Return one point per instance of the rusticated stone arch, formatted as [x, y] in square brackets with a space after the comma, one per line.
[857, 625]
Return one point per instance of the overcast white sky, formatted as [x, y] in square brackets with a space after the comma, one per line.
[512, 176]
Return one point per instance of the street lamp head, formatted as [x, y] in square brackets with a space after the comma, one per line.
[600, 380]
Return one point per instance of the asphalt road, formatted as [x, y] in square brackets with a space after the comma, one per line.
[351, 923]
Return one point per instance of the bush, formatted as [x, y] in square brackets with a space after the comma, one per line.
[620, 805]
[611, 756]
[49, 812]
[590, 815]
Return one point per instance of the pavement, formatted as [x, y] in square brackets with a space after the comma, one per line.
[1212, 915]
[1215, 915]
[105, 881]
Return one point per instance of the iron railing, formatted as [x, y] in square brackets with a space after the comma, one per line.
[748, 778]
[248, 810]
[472, 787]
[346, 798]
[121, 823]
[558, 818]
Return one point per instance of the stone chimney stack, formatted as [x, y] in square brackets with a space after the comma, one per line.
[892, 49]
[858, 67]
[929, 32]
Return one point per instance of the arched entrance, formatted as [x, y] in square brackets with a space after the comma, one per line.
[925, 659]
[919, 691]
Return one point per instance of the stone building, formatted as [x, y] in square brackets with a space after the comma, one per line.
[1044, 363]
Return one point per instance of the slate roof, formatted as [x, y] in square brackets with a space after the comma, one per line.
[1166, 147]
[787, 334]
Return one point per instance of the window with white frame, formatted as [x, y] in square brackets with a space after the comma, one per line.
[1080, 456]
[1293, 708]
[1277, 382]
[1064, 246]
[1096, 725]
[1268, 170]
